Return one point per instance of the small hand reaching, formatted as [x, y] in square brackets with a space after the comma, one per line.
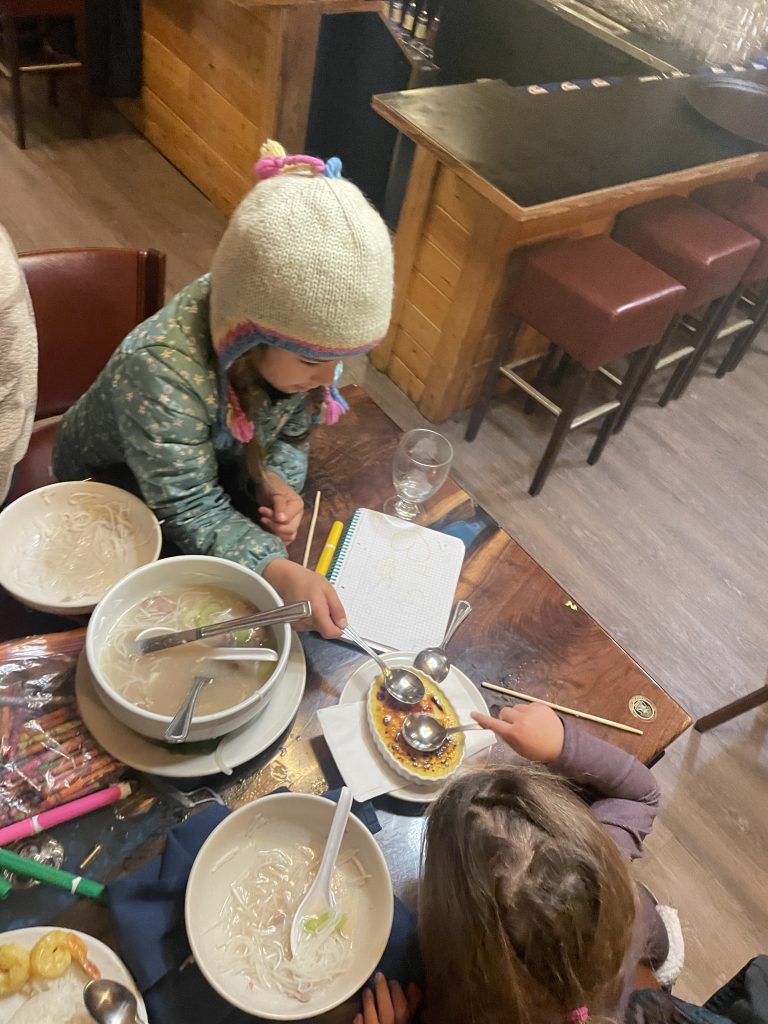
[389, 1004]
[532, 730]
[282, 510]
[295, 583]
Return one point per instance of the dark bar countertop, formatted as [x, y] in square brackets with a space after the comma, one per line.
[523, 151]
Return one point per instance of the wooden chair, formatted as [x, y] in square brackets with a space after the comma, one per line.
[85, 301]
[17, 59]
[729, 711]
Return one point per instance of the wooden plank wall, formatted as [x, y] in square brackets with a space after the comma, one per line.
[211, 75]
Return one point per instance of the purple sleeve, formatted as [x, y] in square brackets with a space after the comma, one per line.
[627, 794]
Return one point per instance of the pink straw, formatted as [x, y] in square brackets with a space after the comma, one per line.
[64, 812]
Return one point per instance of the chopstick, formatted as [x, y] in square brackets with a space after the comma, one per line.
[565, 711]
[311, 534]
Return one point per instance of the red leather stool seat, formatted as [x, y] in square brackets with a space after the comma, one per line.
[595, 299]
[745, 204]
[707, 254]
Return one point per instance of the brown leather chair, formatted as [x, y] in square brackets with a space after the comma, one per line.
[85, 301]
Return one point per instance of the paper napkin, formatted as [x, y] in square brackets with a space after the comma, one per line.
[348, 735]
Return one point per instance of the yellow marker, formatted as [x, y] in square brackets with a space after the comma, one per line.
[331, 543]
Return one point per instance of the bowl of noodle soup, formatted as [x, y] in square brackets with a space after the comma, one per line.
[244, 887]
[63, 546]
[144, 691]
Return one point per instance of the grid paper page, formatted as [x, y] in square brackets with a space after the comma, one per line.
[397, 582]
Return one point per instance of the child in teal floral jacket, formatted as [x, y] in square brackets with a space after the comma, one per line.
[235, 369]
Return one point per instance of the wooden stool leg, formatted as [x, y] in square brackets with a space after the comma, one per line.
[640, 365]
[741, 344]
[85, 90]
[544, 370]
[505, 347]
[575, 385]
[654, 354]
[736, 707]
[686, 370]
[12, 49]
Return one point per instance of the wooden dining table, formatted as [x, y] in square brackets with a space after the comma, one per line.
[524, 629]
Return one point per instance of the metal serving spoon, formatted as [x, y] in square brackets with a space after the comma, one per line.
[109, 1002]
[179, 728]
[400, 683]
[433, 661]
[424, 733]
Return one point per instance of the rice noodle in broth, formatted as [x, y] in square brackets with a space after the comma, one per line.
[160, 681]
[252, 933]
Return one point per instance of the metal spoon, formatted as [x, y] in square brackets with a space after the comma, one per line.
[433, 661]
[109, 1002]
[319, 897]
[400, 683]
[424, 733]
[179, 727]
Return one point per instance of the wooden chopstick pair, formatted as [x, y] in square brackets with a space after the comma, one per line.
[564, 710]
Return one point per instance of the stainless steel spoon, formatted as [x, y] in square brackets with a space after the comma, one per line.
[400, 683]
[178, 729]
[109, 1002]
[433, 661]
[424, 733]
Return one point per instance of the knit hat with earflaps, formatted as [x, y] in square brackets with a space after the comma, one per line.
[306, 265]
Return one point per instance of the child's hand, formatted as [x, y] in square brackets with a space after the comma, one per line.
[283, 510]
[295, 583]
[532, 730]
[390, 1005]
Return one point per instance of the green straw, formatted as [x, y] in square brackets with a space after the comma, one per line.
[53, 876]
[5, 887]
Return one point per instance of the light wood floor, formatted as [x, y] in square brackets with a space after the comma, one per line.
[665, 542]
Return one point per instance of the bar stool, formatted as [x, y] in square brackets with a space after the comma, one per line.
[15, 61]
[745, 204]
[595, 301]
[707, 254]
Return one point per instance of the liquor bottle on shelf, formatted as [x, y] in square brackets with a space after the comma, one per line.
[422, 24]
[396, 12]
[434, 28]
[409, 17]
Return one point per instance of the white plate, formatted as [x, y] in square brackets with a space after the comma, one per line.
[234, 749]
[356, 690]
[110, 965]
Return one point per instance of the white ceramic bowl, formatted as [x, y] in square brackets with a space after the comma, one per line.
[30, 580]
[171, 574]
[288, 818]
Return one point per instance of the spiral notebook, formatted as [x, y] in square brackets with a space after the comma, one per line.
[397, 580]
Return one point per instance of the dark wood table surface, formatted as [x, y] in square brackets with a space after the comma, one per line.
[539, 149]
[523, 626]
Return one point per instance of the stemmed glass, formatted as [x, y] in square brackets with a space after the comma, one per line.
[419, 469]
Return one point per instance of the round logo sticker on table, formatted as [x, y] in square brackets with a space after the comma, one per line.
[642, 708]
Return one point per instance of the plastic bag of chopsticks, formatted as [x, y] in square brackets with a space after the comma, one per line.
[47, 756]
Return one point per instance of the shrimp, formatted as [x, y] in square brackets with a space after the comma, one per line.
[14, 967]
[79, 952]
[50, 955]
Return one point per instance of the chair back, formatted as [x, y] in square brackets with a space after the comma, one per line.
[86, 301]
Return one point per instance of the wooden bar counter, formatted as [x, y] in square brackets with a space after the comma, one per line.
[497, 170]
[220, 76]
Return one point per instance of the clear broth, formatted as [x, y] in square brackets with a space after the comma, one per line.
[159, 682]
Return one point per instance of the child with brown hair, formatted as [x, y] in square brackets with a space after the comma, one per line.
[527, 911]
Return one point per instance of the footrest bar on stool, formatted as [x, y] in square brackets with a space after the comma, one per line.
[529, 389]
[609, 375]
[593, 414]
[673, 357]
[737, 328]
